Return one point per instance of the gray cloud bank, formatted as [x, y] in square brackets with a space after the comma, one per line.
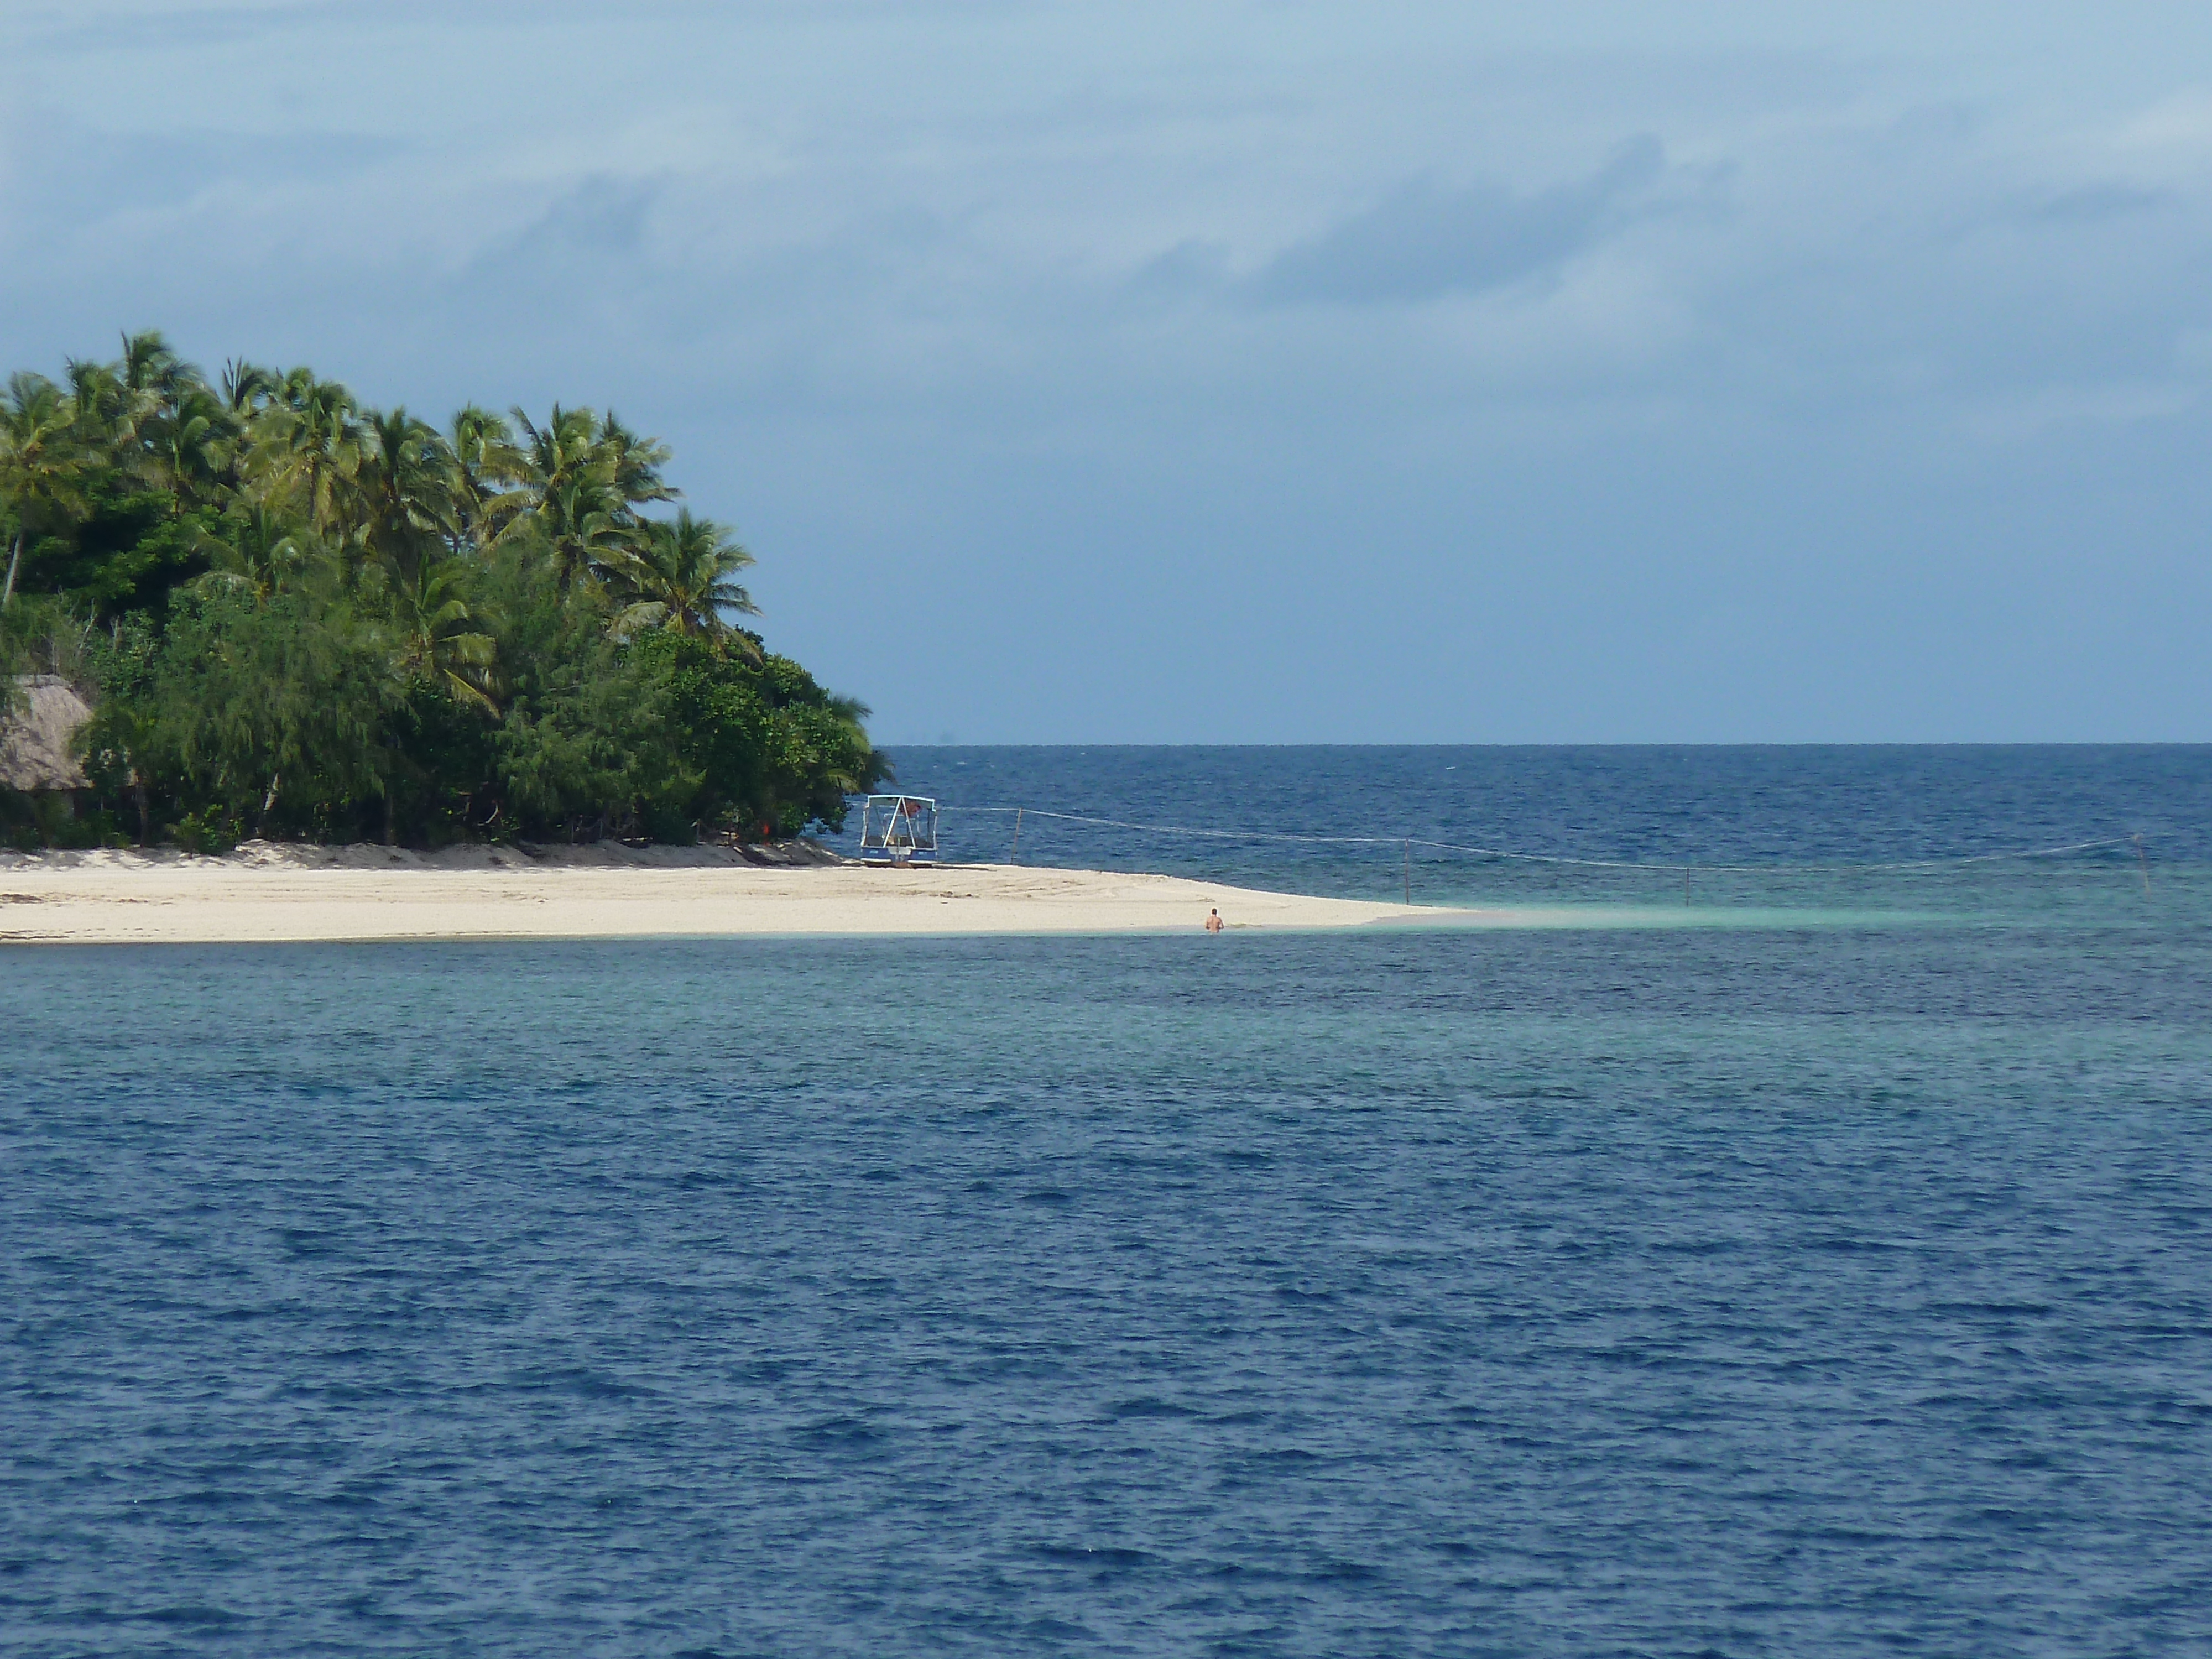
[1421, 241]
[1254, 371]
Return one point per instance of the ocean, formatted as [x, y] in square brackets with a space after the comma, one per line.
[1802, 1257]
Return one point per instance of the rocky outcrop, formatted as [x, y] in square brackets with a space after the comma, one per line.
[35, 735]
[475, 855]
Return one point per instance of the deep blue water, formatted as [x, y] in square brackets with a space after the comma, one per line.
[1777, 810]
[1773, 1286]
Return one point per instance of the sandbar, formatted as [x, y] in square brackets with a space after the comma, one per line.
[270, 894]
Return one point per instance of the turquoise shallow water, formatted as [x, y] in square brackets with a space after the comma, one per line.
[1742, 1289]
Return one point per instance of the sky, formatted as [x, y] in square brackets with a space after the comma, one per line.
[1274, 371]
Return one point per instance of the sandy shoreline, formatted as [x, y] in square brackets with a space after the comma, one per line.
[264, 894]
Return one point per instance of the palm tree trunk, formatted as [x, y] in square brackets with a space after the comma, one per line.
[15, 558]
[145, 811]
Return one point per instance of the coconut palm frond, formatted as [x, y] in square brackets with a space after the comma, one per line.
[688, 568]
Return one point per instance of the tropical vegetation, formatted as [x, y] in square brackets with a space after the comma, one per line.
[298, 617]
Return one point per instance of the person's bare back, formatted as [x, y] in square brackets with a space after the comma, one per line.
[1213, 922]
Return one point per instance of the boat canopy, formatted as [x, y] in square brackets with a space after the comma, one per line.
[898, 830]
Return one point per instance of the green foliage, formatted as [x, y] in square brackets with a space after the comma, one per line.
[206, 831]
[298, 617]
[774, 750]
[128, 552]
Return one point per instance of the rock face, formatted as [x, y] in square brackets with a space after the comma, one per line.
[34, 738]
[786, 854]
[471, 855]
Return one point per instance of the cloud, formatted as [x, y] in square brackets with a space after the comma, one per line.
[57, 168]
[1421, 242]
[1046, 300]
[1190, 268]
[86, 26]
[2090, 204]
[598, 216]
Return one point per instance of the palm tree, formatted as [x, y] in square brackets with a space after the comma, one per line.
[584, 529]
[264, 555]
[248, 388]
[682, 578]
[170, 415]
[487, 466]
[150, 369]
[390, 613]
[565, 445]
[103, 412]
[38, 465]
[440, 641]
[403, 480]
[305, 447]
[570, 501]
[188, 443]
[633, 463]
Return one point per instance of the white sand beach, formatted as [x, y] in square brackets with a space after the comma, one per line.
[264, 893]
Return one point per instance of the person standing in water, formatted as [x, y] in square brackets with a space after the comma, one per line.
[1213, 923]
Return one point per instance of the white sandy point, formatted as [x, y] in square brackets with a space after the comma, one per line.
[270, 895]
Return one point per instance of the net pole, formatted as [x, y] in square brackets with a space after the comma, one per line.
[1015, 857]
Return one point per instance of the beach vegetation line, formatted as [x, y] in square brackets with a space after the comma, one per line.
[296, 617]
